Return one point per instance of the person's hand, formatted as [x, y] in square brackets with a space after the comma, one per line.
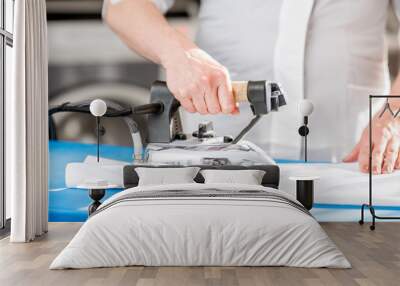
[200, 83]
[385, 146]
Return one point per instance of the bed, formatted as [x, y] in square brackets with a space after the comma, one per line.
[198, 224]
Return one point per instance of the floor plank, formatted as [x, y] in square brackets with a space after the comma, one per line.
[375, 257]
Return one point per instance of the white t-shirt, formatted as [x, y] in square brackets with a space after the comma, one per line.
[244, 42]
[344, 61]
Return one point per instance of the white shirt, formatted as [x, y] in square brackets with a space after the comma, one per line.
[247, 45]
[330, 51]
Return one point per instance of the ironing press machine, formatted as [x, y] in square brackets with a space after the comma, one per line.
[166, 144]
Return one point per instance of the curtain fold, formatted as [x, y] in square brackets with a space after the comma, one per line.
[26, 124]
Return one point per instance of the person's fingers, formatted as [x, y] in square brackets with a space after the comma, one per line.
[353, 156]
[377, 154]
[211, 97]
[226, 99]
[224, 89]
[198, 100]
[187, 104]
[183, 96]
[397, 165]
[236, 111]
[363, 157]
[212, 103]
[390, 156]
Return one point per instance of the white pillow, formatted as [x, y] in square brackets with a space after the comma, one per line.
[247, 177]
[166, 176]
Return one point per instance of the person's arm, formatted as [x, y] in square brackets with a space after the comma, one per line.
[386, 134]
[199, 82]
[385, 140]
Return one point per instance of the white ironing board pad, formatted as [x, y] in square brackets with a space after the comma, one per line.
[105, 161]
[343, 183]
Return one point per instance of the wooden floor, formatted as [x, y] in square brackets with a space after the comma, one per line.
[375, 257]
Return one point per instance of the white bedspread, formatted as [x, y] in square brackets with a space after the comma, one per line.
[200, 231]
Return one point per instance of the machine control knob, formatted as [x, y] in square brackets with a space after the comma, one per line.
[205, 130]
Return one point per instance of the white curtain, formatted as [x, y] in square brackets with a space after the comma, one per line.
[26, 127]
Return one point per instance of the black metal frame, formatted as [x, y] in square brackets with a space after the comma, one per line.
[6, 39]
[303, 132]
[370, 204]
